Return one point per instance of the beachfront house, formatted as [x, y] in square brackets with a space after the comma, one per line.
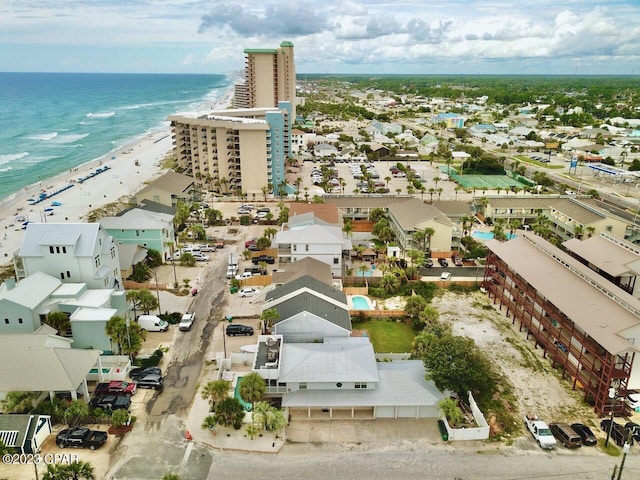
[168, 189]
[309, 310]
[145, 228]
[72, 252]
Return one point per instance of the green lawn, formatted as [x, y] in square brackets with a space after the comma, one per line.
[387, 336]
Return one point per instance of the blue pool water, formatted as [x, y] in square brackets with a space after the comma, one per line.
[360, 303]
[246, 405]
[488, 235]
[104, 370]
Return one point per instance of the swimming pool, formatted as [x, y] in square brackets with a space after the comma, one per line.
[245, 405]
[360, 302]
[478, 235]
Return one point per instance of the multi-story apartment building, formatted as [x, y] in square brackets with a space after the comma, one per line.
[270, 78]
[587, 326]
[72, 252]
[241, 150]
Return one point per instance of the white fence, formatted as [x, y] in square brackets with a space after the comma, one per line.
[481, 432]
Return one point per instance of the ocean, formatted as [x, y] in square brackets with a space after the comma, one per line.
[52, 122]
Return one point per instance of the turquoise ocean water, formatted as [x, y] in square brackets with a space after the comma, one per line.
[52, 122]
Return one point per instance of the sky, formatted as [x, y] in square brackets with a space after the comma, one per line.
[584, 37]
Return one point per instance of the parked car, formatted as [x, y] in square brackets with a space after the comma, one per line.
[247, 292]
[81, 437]
[586, 435]
[200, 257]
[111, 402]
[427, 263]
[633, 401]
[152, 381]
[635, 430]
[263, 258]
[237, 329]
[457, 260]
[186, 321]
[445, 275]
[116, 387]
[565, 435]
[207, 248]
[243, 211]
[619, 434]
[140, 372]
[244, 275]
[443, 262]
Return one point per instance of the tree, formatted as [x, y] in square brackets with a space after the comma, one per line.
[390, 283]
[456, 363]
[120, 417]
[348, 228]
[269, 316]
[364, 269]
[77, 470]
[263, 243]
[229, 413]
[59, 321]
[270, 232]
[416, 256]
[215, 391]
[252, 388]
[451, 410]
[187, 260]
[376, 215]
[182, 214]
[128, 339]
[212, 215]
[19, 402]
[4, 449]
[76, 410]
[414, 306]
[142, 300]
[428, 233]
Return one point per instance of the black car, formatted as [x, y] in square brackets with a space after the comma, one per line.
[587, 436]
[140, 372]
[150, 381]
[111, 402]
[263, 258]
[443, 262]
[237, 329]
[619, 434]
[635, 430]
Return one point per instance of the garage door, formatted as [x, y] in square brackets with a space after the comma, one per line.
[407, 412]
[385, 412]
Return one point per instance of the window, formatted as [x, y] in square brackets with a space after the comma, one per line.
[295, 247]
[339, 384]
[20, 321]
[97, 261]
[50, 249]
[302, 386]
[360, 385]
[68, 274]
[61, 275]
[64, 249]
[137, 233]
[336, 260]
[6, 321]
[306, 248]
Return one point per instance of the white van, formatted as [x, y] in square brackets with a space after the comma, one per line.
[151, 323]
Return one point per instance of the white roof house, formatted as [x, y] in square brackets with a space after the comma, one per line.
[43, 363]
[24, 305]
[322, 242]
[73, 252]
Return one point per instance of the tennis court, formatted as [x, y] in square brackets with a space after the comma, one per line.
[486, 182]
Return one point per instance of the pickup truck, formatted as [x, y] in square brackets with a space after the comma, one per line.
[540, 431]
[115, 388]
[81, 437]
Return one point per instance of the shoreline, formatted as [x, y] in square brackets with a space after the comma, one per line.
[123, 178]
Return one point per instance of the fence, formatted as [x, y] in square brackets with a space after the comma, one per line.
[377, 313]
[131, 285]
[481, 432]
[356, 290]
[257, 281]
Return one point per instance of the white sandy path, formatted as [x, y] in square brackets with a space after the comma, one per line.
[123, 178]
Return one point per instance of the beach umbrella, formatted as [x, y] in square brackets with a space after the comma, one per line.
[56, 204]
[48, 209]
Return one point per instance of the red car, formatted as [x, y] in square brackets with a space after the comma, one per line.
[116, 387]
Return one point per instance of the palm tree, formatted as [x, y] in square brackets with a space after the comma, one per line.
[265, 190]
[387, 179]
[348, 228]
[431, 192]
[252, 388]
[270, 232]
[215, 391]
[59, 321]
[269, 316]
[364, 269]
[590, 231]
[77, 470]
[390, 283]
[429, 232]
[439, 193]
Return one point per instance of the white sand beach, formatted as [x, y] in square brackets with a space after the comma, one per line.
[130, 168]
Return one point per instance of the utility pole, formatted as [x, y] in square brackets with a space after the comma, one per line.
[625, 451]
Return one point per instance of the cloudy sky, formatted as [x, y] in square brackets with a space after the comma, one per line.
[330, 36]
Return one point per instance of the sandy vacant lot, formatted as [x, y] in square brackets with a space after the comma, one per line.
[537, 387]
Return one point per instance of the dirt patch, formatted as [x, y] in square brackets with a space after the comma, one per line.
[536, 386]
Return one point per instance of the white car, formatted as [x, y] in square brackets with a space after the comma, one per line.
[186, 321]
[445, 275]
[633, 400]
[248, 292]
[200, 257]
